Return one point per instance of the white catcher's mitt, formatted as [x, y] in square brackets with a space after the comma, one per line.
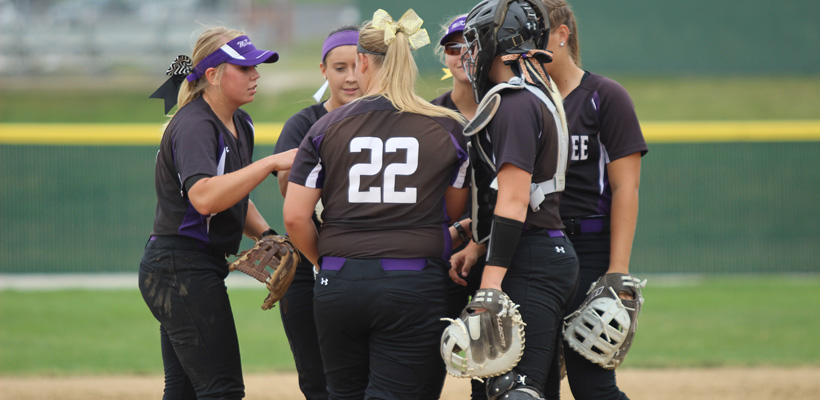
[603, 327]
[483, 344]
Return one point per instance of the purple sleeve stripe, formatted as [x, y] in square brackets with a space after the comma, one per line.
[460, 175]
[596, 102]
[317, 142]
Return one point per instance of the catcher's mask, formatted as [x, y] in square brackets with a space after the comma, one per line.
[496, 27]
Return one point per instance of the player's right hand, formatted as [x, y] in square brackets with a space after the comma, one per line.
[463, 261]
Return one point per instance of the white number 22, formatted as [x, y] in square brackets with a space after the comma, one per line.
[377, 149]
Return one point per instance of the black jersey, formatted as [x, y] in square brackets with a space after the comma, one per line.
[603, 127]
[297, 127]
[295, 130]
[445, 100]
[383, 176]
[197, 143]
[523, 133]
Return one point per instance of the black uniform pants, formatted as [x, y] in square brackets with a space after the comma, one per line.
[184, 287]
[589, 381]
[380, 331]
[542, 278]
[296, 309]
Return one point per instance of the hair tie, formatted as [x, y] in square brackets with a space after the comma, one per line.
[526, 59]
[409, 23]
[179, 69]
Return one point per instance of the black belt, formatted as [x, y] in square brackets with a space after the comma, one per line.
[591, 224]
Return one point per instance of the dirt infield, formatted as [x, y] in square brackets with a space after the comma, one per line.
[667, 384]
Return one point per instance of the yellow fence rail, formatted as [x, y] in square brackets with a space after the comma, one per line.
[267, 133]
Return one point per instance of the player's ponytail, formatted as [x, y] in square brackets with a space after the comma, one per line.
[397, 72]
[561, 14]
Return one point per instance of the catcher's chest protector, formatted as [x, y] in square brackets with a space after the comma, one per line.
[485, 185]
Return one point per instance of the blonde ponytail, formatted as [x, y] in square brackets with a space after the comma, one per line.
[397, 73]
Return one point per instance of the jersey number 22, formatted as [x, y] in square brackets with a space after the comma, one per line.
[377, 149]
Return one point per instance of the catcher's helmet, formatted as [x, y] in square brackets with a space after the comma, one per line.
[496, 27]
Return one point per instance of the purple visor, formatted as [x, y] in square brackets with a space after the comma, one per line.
[343, 38]
[456, 26]
[239, 51]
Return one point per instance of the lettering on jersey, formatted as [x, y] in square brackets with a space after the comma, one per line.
[580, 147]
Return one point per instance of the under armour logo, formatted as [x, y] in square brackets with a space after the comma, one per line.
[522, 379]
[323, 281]
[559, 249]
[227, 149]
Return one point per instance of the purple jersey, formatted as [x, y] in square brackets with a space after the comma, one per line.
[383, 176]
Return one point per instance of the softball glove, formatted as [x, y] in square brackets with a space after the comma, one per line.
[603, 327]
[272, 261]
[486, 340]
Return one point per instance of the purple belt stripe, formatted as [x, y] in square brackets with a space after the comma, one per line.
[592, 225]
[388, 264]
[554, 233]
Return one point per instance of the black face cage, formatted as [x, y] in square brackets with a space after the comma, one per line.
[477, 61]
[483, 43]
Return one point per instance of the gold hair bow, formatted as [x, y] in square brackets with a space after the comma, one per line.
[409, 23]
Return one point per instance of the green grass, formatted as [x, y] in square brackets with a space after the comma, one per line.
[739, 321]
[716, 321]
[75, 332]
[656, 99]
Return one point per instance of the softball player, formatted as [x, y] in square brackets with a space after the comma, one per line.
[522, 152]
[391, 175]
[296, 308]
[600, 204]
[460, 98]
[203, 177]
